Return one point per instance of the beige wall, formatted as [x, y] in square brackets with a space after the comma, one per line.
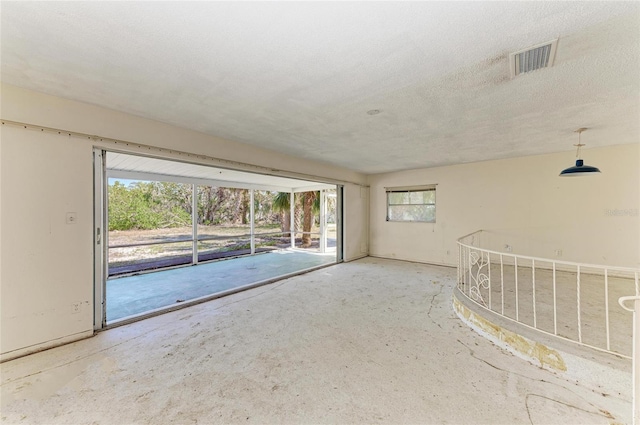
[523, 202]
[356, 222]
[47, 265]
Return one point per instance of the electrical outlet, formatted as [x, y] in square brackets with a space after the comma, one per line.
[558, 253]
[76, 307]
[508, 248]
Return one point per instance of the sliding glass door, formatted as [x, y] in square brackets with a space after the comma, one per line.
[151, 223]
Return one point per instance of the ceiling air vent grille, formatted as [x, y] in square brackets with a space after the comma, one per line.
[532, 58]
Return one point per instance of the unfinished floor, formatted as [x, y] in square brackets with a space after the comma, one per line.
[371, 341]
[500, 296]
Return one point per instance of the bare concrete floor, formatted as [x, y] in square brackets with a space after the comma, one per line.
[372, 341]
[593, 323]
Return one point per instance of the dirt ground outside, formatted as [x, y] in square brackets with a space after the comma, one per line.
[177, 241]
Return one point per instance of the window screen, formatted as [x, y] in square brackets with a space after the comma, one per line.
[412, 205]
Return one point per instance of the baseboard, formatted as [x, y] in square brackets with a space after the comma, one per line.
[430, 263]
[21, 352]
[356, 258]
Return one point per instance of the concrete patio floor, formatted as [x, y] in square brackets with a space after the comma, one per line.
[132, 295]
[371, 341]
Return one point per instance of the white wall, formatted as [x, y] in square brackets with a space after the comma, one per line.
[525, 204]
[356, 222]
[47, 265]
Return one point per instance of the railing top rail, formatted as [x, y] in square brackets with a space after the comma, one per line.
[548, 260]
[470, 234]
[203, 238]
[160, 242]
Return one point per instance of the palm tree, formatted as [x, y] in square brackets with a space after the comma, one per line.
[311, 206]
[310, 203]
[244, 206]
[282, 204]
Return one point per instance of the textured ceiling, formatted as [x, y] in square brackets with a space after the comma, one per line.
[300, 77]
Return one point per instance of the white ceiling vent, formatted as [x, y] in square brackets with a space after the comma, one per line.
[532, 58]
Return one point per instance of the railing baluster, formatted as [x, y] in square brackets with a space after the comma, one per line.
[502, 283]
[461, 261]
[606, 306]
[464, 268]
[458, 268]
[515, 261]
[469, 255]
[469, 281]
[635, 356]
[465, 260]
[489, 265]
[555, 310]
[578, 301]
[533, 280]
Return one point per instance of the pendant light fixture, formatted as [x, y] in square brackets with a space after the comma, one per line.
[579, 169]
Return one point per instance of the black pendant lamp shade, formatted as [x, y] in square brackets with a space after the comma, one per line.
[579, 169]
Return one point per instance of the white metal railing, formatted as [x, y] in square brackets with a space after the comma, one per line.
[573, 301]
[636, 353]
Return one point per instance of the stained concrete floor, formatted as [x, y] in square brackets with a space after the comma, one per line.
[132, 295]
[592, 308]
[371, 341]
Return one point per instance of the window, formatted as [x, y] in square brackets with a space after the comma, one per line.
[412, 204]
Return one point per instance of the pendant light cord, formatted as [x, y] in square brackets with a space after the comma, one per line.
[579, 145]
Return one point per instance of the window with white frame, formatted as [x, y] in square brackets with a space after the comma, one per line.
[413, 204]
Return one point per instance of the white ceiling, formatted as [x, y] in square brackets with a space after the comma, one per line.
[300, 77]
